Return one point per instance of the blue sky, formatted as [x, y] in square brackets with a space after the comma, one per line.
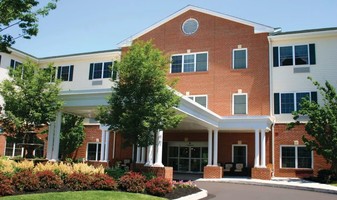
[78, 26]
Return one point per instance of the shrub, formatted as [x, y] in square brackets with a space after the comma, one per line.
[325, 176]
[87, 169]
[182, 184]
[159, 186]
[149, 175]
[132, 182]
[115, 173]
[103, 182]
[49, 179]
[78, 181]
[6, 187]
[24, 166]
[7, 166]
[26, 180]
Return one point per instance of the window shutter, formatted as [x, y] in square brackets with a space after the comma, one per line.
[59, 72]
[314, 97]
[276, 103]
[312, 52]
[12, 63]
[71, 71]
[91, 71]
[275, 56]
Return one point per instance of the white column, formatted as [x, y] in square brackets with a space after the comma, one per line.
[51, 130]
[56, 143]
[257, 148]
[159, 149]
[149, 156]
[215, 158]
[142, 160]
[102, 146]
[138, 155]
[210, 147]
[263, 148]
[107, 140]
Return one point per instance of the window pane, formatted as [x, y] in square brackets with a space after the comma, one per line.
[201, 62]
[286, 56]
[184, 152]
[287, 103]
[299, 97]
[201, 100]
[9, 149]
[240, 104]
[176, 65]
[98, 70]
[195, 152]
[301, 55]
[183, 164]
[92, 153]
[304, 158]
[173, 151]
[240, 154]
[189, 63]
[240, 59]
[288, 157]
[107, 70]
[65, 73]
[195, 165]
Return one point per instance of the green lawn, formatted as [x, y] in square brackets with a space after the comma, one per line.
[84, 195]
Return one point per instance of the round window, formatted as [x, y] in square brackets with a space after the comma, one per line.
[190, 26]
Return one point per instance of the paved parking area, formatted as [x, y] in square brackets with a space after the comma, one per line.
[225, 190]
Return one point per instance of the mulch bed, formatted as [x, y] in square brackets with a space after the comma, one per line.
[181, 192]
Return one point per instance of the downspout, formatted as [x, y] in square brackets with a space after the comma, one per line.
[114, 146]
[271, 105]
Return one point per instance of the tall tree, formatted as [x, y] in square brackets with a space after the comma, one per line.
[30, 99]
[22, 14]
[72, 134]
[322, 124]
[142, 102]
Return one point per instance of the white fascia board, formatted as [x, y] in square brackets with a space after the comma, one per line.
[258, 28]
[302, 35]
[23, 54]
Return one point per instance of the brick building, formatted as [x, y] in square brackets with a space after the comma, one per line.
[239, 82]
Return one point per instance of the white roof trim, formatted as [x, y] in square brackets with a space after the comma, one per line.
[258, 28]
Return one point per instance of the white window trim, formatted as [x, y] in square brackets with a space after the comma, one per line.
[240, 145]
[195, 61]
[61, 72]
[97, 154]
[295, 95]
[233, 103]
[293, 49]
[240, 49]
[102, 73]
[201, 95]
[296, 157]
[13, 151]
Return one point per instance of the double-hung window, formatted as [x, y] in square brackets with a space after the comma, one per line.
[94, 151]
[65, 73]
[200, 99]
[14, 64]
[13, 149]
[294, 55]
[101, 70]
[194, 62]
[286, 103]
[240, 59]
[240, 104]
[295, 157]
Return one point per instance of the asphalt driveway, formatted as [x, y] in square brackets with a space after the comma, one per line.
[231, 191]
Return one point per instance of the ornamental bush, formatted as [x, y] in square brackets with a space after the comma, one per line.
[159, 186]
[49, 179]
[78, 181]
[103, 182]
[132, 182]
[6, 187]
[26, 180]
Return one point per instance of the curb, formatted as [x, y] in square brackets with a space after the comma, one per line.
[199, 195]
[275, 185]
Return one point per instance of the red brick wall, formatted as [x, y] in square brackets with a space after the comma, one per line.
[2, 145]
[219, 37]
[287, 137]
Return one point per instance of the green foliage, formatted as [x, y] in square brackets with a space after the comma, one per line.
[26, 181]
[142, 101]
[322, 124]
[30, 98]
[72, 134]
[115, 172]
[49, 179]
[103, 182]
[78, 181]
[22, 14]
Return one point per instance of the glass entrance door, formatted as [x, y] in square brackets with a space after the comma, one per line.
[187, 158]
